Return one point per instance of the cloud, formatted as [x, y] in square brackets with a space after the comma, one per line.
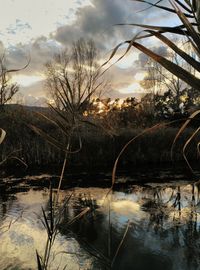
[143, 58]
[95, 20]
[126, 79]
[35, 90]
[38, 53]
[98, 21]
[21, 20]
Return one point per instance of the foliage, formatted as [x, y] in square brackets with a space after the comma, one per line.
[168, 106]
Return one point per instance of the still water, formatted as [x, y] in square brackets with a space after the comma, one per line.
[151, 226]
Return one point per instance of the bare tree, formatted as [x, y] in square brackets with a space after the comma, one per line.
[7, 88]
[74, 78]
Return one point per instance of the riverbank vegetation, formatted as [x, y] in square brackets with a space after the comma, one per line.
[88, 132]
[102, 140]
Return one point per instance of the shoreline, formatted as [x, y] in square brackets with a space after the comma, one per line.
[124, 179]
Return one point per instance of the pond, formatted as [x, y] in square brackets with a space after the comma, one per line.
[150, 226]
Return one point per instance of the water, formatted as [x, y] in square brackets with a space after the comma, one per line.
[159, 225]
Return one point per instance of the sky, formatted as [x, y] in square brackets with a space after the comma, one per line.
[40, 28]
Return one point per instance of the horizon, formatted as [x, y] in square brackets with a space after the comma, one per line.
[58, 25]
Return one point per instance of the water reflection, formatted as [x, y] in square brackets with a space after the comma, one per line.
[26, 234]
[164, 230]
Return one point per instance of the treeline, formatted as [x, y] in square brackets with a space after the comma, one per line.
[151, 109]
[100, 144]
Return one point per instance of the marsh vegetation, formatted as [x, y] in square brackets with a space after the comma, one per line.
[163, 228]
[130, 222]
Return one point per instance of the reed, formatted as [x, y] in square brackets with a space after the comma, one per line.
[2, 135]
[51, 222]
[188, 12]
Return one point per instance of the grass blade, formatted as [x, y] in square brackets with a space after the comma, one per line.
[166, 8]
[2, 135]
[47, 224]
[125, 147]
[175, 69]
[54, 141]
[39, 265]
[175, 48]
[120, 244]
[181, 130]
[192, 32]
[78, 216]
[185, 146]
[175, 30]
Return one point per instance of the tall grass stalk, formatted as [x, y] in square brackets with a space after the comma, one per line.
[63, 168]
[2, 135]
[51, 222]
[188, 12]
[120, 244]
[12, 154]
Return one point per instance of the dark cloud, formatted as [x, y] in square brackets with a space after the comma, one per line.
[95, 21]
[39, 52]
[161, 50]
[143, 58]
[99, 20]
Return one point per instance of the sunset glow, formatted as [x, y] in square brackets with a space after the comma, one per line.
[132, 88]
[42, 29]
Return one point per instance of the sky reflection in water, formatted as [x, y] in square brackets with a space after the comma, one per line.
[164, 229]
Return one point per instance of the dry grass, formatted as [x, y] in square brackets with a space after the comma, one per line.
[2, 135]
[188, 13]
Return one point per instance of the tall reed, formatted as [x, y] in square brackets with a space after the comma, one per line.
[2, 135]
[188, 12]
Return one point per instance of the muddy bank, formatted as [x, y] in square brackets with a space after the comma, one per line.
[22, 181]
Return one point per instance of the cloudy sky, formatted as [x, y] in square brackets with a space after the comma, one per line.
[40, 28]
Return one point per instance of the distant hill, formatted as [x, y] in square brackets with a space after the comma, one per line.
[12, 107]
